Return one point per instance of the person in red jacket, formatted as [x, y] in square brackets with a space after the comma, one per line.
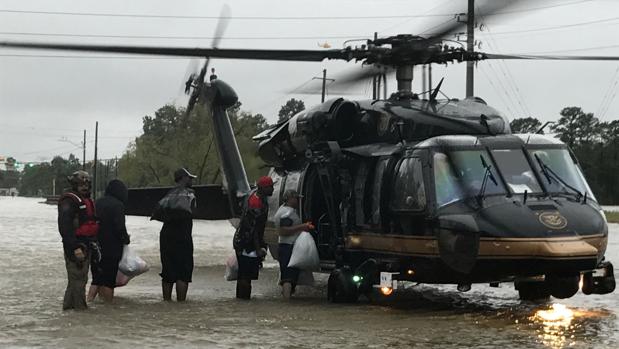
[248, 239]
[78, 227]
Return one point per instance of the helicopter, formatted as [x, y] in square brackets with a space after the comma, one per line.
[410, 187]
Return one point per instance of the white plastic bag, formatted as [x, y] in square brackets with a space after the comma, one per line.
[122, 279]
[232, 268]
[131, 264]
[304, 253]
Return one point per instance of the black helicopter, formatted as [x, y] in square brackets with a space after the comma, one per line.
[408, 188]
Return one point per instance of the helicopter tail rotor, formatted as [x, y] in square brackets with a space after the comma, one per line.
[195, 84]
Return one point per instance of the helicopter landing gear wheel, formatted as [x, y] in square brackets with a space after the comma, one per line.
[532, 291]
[341, 288]
[563, 285]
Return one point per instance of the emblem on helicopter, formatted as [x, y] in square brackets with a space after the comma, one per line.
[553, 220]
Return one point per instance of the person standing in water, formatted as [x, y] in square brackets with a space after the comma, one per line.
[78, 227]
[248, 241]
[112, 237]
[175, 240]
[289, 226]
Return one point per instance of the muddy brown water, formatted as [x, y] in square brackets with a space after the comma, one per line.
[33, 280]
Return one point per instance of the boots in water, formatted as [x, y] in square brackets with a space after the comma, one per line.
[243, 289]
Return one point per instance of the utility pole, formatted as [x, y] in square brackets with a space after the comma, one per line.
[424, 84]
[430, 78]
[470, 43]
[84, 152]
[94, 192]
[374, 78]
[324, 83]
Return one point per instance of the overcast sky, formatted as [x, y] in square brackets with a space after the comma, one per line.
[47, 102]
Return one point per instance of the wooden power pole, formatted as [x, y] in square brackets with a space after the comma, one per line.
[470, 43]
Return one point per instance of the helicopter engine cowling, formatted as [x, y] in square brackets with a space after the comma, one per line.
[334, 120]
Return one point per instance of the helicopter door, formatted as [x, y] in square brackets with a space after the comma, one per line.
[363, 194]
[375, 219]
[408, 197]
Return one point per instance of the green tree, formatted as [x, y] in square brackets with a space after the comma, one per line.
[40, 179]
[576, 127]
[288, 110]
[525, 125]
[172, 139]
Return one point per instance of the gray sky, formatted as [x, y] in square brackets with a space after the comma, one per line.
[44, 100]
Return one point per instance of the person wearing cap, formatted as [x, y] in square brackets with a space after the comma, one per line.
[175, 240]
[289, 226]
[78, 227]
[248, 241]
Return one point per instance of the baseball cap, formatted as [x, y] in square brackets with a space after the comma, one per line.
[182, 172]
[265, 181]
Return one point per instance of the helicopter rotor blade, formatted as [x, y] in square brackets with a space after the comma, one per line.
[198, 79]
[258, 54]
[486, 8]
[553, 57]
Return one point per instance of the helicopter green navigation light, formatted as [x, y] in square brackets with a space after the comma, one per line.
[357, 278]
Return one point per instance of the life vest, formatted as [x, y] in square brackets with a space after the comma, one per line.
[255, 210]
[87, 225]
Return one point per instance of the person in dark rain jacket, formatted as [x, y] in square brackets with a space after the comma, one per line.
[112, 238]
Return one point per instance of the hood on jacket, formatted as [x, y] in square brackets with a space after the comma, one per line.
[117, 189]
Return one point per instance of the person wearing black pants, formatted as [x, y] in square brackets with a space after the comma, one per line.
[248, 241]
[112, 238]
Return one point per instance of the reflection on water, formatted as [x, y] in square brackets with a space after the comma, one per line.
[556, 325]
[421, 316]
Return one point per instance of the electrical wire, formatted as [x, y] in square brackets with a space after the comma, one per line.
[92, 14]
[126, 15]
[507, 74]
[609, 96]
[490, 80]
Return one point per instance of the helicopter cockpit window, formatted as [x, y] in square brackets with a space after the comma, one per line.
[460, 174]
[516, 171]
[408, 189]
[559, 167]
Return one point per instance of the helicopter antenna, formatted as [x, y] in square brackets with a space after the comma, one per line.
[541, 129]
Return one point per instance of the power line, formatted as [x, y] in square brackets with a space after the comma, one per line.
[507, 74]
[557, 27]
[127, 15]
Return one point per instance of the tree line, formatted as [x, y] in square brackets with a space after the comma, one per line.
[170, 138]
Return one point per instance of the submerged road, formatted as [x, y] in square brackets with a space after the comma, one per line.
[33, 279]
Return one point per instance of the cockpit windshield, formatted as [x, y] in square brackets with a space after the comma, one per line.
[559, 164]
[460, 174]
[516, 171]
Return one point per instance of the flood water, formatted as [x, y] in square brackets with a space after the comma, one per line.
[33, 279]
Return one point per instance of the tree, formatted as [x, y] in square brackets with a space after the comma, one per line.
[172, 139]
[289, 109]
[576, 127]
[39, 179]
[525, 125]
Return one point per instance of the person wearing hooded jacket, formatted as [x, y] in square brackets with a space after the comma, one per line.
[112, 238]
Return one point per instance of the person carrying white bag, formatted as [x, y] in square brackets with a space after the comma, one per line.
[289, 227]
[130, 266]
